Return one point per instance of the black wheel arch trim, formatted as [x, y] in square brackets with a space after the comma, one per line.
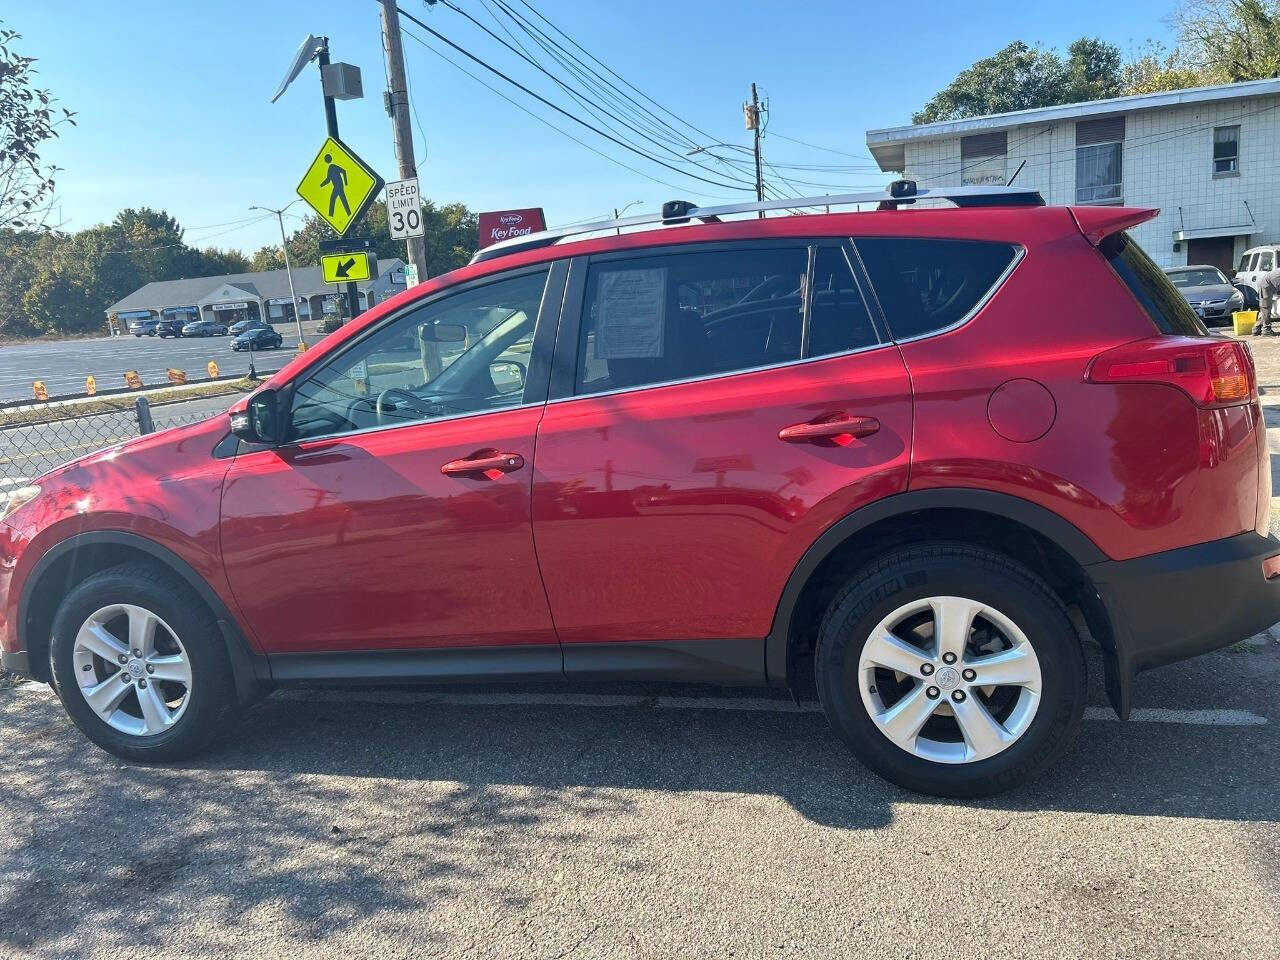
[251, 669]
[1033, 516]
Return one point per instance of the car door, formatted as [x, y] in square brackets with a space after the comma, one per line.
[714, 408]
[397, 516]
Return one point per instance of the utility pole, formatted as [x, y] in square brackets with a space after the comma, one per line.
[288, 269]
[752, 111]
[402, 131]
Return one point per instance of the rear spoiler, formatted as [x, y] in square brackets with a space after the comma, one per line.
[1098, 223]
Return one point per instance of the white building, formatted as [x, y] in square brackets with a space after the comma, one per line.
[1208, 157]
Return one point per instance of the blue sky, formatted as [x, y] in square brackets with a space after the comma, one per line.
[173, 97]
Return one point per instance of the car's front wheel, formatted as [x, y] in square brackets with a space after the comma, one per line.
[951, 670]
[140, 665]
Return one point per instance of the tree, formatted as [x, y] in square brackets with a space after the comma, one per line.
[1093, 71]
[1156, 70]
[28, 118]
[1228, 41]
[267, 257]
[1021, 77]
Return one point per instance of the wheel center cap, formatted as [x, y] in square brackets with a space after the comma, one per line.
[137, 669]
[948, 678]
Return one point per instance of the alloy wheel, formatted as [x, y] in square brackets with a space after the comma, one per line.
[132, 670]
[950, 679]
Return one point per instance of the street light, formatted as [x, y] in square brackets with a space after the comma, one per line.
[617, 214]
[288, 267]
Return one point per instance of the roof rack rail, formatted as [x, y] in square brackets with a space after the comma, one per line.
[899, 193]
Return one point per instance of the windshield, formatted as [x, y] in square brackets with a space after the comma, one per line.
[1202, 277]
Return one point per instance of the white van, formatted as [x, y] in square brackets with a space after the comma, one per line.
[1256, 261]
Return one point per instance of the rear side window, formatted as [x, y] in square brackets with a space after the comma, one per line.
[928, 285]
[1266, 261]
[1166, 307]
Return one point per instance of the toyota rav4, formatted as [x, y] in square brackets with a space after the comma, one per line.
[922, 455]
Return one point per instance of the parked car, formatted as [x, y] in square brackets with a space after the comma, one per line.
[258, 338]
[240, 326]
[144, 327]
[932, 451]
[204, 328]
[1256, 261]
[167, 327]
[1208, 292]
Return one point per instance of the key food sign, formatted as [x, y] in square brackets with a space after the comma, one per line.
[499, 225]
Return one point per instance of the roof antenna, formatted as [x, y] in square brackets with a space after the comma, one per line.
[1009, 182]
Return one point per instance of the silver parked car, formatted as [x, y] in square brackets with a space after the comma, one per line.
[1208, 291]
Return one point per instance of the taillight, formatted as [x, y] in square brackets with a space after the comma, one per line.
[1213, 373]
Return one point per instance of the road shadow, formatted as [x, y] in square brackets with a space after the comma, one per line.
[345, 809]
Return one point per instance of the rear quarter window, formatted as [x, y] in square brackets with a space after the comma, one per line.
[926, 285]
[1166, 307]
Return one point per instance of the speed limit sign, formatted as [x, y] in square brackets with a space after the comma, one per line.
[404, 209]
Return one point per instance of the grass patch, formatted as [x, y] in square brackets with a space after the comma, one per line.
[123, 402]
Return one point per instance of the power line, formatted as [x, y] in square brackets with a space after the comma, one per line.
[597, 81]
[623, 80]
[814, 146]
[564, 133]
[545, 102]
[170, 246]
[592, 106]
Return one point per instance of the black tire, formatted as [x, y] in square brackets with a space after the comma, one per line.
[212, 706]
[951, 569]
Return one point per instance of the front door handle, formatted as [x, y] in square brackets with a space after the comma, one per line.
[491, 464]
[839, 428]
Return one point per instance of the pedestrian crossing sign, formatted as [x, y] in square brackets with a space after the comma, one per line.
[339, 185]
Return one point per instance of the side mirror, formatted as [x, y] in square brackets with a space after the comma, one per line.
[443, 332]
[260, 423]
[507, 376]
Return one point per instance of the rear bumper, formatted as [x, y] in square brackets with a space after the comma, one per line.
[1180, 603]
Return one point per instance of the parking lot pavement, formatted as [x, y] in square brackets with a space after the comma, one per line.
[64, 364]
[616, 822]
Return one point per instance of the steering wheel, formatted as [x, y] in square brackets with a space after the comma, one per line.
[425, 407]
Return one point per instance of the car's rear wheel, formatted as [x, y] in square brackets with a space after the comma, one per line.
[140, 666]
[951, 670]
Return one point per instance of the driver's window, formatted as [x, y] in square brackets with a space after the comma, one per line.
[466, 353]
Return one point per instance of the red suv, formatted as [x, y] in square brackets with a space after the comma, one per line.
[920, 454]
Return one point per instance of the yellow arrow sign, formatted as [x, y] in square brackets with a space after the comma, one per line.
[341, 267]
[339, 185]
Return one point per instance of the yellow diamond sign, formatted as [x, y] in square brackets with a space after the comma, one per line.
[339, 185]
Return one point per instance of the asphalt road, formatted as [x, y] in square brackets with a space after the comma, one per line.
[64, 364]
[533, 824]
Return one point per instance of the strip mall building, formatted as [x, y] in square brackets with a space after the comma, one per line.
[250, 296]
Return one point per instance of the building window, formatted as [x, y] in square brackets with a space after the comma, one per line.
[983, 159]
[1226, 151]
[1100, 160]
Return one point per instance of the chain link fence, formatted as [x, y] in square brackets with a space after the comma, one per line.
[30, 447]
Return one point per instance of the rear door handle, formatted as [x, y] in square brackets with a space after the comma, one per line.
[491, 464]
[839, 428]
